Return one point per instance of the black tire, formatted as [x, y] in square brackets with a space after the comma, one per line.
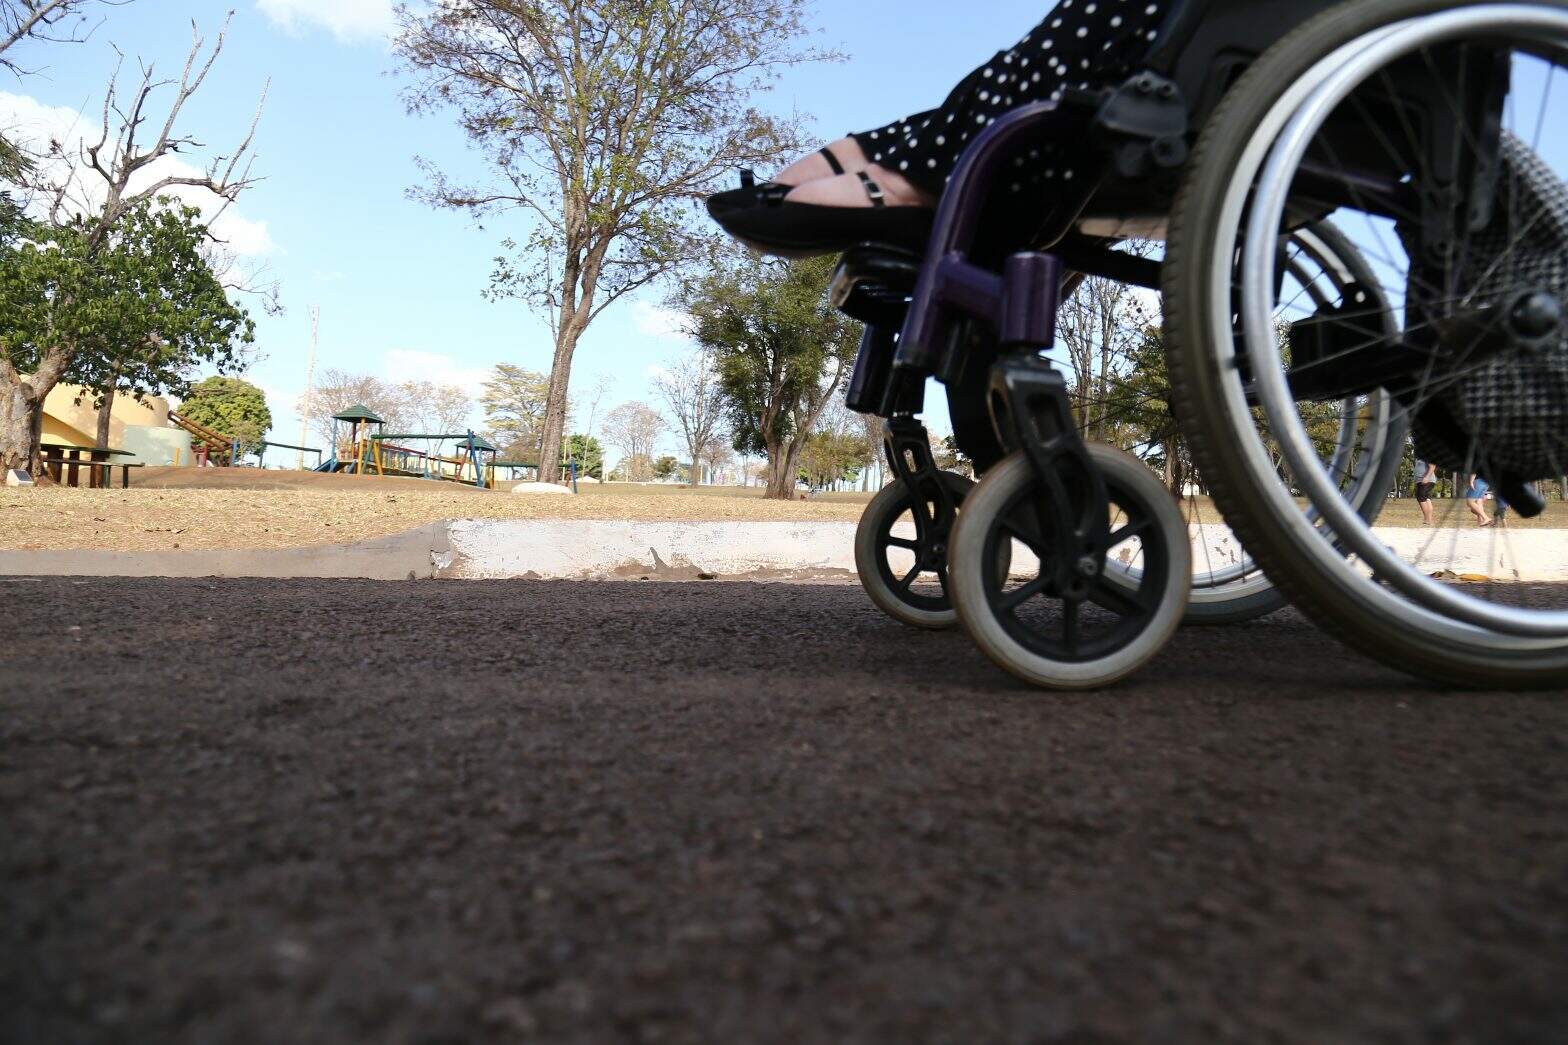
[988, 508]
[917, 611]
[1197, 374]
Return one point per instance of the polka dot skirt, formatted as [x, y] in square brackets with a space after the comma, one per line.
[1081, 43]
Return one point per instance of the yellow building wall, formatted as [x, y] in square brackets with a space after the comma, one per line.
[68, 421]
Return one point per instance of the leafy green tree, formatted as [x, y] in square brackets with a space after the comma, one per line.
[134, 313]
[514, 401]
[589, 455]
[1136, 410]
[601, 121]
[233, 406]
[68, 303]
[665, 467]
[829, 457]
[781, 352]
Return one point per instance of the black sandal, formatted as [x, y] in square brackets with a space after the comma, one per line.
[750, 194]
[774, 225]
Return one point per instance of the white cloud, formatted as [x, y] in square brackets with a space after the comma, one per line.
[654, 321]
[348, 20]
[407, 364]
[30, 121]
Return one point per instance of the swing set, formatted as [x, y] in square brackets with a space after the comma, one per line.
[369, 451]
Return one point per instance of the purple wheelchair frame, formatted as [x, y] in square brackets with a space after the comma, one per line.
[1028, 397]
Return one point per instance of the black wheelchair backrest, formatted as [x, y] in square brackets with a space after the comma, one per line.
[1205, 45]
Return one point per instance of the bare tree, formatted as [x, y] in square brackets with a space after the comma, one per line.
[1101, 325]
[634, 429]
[337, 390]
[690, 389]
[719, 458]
[601, 120]
[434, 408]
[59, 21]
[94, 189]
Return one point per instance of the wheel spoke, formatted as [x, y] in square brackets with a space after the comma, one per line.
[1070, 626]
[1011, 600]
[909, 578]
[1119, 600]
[1135, 528]
[903, 542]
[1029, 541]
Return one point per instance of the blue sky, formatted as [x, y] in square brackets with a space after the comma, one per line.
[398, 284]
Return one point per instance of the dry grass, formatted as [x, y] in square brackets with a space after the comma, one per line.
[245, 508]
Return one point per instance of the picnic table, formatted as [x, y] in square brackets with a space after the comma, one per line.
[100, 464]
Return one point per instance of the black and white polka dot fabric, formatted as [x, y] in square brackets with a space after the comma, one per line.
[1081, 43]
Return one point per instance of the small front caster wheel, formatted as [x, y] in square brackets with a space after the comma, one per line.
[1105, 628]
[902, 562]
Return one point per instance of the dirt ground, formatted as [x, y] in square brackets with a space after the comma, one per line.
[324, 811]
[221, 508]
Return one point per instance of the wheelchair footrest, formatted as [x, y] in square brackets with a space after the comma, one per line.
[874, 283]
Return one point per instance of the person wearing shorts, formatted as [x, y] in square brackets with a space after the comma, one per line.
[1426, 482]
[1475, 500]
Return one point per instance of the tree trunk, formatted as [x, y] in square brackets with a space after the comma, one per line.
[21, 425]
[555, 401]
[105, 413]
[783, 463]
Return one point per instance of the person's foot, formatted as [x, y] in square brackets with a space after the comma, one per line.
[850, 190]
[810, 168]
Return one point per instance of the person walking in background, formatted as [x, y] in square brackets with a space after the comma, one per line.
[1426, 482]
[1475, 500]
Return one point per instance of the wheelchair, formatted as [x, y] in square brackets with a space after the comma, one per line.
[1365, 247]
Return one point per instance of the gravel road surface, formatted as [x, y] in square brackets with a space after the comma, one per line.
[424, 812]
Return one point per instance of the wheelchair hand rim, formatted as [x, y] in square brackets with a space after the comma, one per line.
[1301, 113]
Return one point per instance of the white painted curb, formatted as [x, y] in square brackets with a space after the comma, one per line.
[577, 549]
[1499, 553]
[583, 549]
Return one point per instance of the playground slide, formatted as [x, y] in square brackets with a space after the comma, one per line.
[218, 444]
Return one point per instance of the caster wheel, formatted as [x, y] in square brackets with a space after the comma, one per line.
[908, 582]
[1098, 633]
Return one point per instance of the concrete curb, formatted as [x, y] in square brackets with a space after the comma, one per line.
[589, 549]
[577, 550]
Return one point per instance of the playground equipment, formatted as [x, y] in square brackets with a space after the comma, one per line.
[261, 454]
[369, 451]
[210, 445]
[215, 448]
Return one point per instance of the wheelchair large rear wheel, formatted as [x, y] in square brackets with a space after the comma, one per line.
[1428, 133]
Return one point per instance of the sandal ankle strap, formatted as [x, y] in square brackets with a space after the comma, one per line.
[873, 190]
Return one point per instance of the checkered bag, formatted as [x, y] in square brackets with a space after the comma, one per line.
[1511, 411]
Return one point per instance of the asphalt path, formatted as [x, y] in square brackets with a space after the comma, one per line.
[455, 811]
